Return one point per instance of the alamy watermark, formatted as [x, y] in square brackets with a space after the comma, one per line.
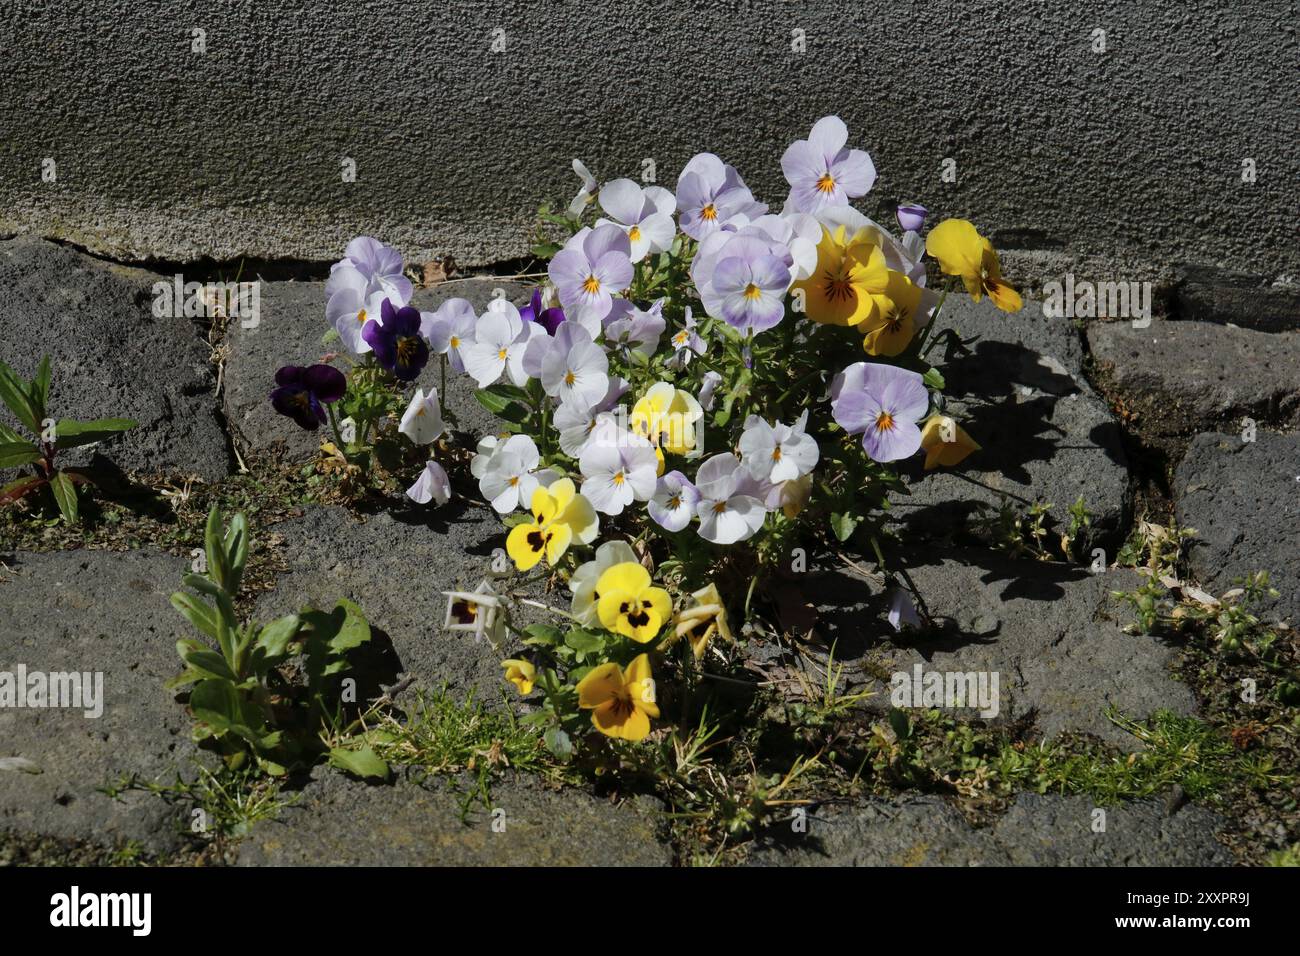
[194, 300]
[21, 688]
[1083, 299]
[947, 690]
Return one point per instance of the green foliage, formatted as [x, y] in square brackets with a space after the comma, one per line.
[243, 699]
[29, 401]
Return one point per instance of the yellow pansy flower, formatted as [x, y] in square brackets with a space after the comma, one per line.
[666, 416]
[629, 604]
[522, 674]
[850, 278]
[560, 517]
[892, 328]
[704, 620]
[621, 701]
[945, 442]
[962, 251]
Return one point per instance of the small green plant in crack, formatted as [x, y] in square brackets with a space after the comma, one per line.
[270, 694]
[1160, 548]
[29, 401]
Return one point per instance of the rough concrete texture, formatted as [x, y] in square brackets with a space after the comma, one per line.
[112, 358]
[289, 333]
[1181, 377]
[1132, 156]
[396, 566]
[1243, 499]
[343, 822]
[1045, 434]
[94, 611]
[1051, 632]
[1207, 294]
[1035, 831]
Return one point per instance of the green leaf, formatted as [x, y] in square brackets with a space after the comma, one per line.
[16, 453]
[363, 762]
[274, 638]
[558, 743]
[39, 393]
[544, 634]
[66, 496]
[843, 525]
[236, 548]
[933, 379]
[355, 629]
[13, 392]
[584, 642]
[209, 662]
[199, 613]
[515, 413]
[212, 543]
[74, 434]
[17, 489]
[7, 434]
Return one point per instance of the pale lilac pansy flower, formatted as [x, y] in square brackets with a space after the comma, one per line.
[778, 453]
[882, 403]
[500, 339]
[710, 193]
[911, 217]
[450, 328]
[432, 485]
[595, 264]
[350, 309]
[686, 342]
[822, 172]
[674, 501]
[618, 467]
[575, 420]
[742, 276]
[632, 330]
[378, 266]
[585, 192]
[729, 508]
[708, 385]
[511, 475]
[574, 368]
[422, 420]
[645, 214]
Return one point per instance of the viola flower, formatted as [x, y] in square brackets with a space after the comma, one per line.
[674, 501]
[851, 276]
[630, 604]
[911, 217]
[902, 613]
[686, 343]
[629, 329]
[432, 485]
[560, 517]
[710, 193]
[511, 475]
[538, 310]
[945, 442]
[646, 215]
[822, 172]
[617, 468]
[621, 701]
[727, 509]
[962, 251]
[574, 368]
[752, 291]
[522, 674]
[481, 611]
[374, 267]
[882, 403]
[450, 328]
[587, 272]
[301, 393]
[790, 497]
[500, 340]
[585, 193]
[666, 417]
[708, 385]
[350, 310]
[891, 329]
[703, 620]
[778, 453]
[584, 579]
[576, 421]
[397, 342]
[422, 420]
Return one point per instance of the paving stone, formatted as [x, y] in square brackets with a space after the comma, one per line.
[1035, 831]
[289, 333]
[112, 357]
[1243, 498]
[1046, 436]
[1210, 294]
[1183, 377]
[342, 822]
[94, 611]
[396, 566]
[1051, 632]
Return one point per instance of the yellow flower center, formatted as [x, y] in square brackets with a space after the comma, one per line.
[776, 453]
[826, 183]
[634, 233]
[569, 378]
[753, 292]
[884, 422]
[619, 479]
[514, 480]
[407, 349]
[719, 507]
[591, 285]
[709, 213]
[501, 354]
[836, 285]
[679, 339]
[454, 342]
[361, 317]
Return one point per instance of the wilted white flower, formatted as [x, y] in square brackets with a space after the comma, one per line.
[422, 420]
[432, 485]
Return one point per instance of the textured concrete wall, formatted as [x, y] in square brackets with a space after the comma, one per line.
[1130, 159]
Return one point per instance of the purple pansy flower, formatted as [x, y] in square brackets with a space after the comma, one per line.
[911, 217]
[587, 272]
[397, 342]
[302, 393]
[821, 172]
[537, 311]
[372, 265]
[882, 403]
[710, 193]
